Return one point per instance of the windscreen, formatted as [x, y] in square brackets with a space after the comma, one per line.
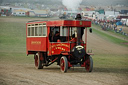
[68, 33]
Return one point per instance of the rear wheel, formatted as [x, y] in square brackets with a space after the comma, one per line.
[38, 61]
[63, 64]
[89, 64]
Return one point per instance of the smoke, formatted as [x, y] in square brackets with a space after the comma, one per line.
[1, 1]
[71, 4]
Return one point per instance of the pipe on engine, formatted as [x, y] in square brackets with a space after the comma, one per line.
[78, 35]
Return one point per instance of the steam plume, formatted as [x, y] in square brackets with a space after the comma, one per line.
[72, 4]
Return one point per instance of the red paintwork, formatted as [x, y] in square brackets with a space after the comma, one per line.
[83, 65]
[36, 43]
[62, 65]
[58, 48]
[74, 23]
[69, 64]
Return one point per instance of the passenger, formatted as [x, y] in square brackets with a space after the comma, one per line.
[56, 36]
[51, 34]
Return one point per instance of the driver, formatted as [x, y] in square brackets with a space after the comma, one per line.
[56, 36]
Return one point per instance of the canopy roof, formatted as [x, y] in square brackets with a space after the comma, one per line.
[72, 23]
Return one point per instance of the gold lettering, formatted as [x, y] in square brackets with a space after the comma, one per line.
[36, 42]
[60, 45]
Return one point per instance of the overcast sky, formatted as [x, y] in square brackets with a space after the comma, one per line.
[106, 2]
[84, 2]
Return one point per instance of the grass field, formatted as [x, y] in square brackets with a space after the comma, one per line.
[13, 48]
[13, 41]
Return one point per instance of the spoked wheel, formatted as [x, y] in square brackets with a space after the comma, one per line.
[38, 61]
[63, 64]
[89, 64]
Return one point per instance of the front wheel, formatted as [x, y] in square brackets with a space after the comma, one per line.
[38, 61]
[63, 64]
[89, 64]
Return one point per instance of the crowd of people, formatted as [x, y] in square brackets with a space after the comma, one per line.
[109, 26]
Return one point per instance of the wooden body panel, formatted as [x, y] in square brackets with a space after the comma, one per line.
[36, 44]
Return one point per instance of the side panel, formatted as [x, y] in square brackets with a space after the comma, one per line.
[36, 43]
[58, 48]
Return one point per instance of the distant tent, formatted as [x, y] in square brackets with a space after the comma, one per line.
[124, 11]
[101, 11]
[119, 23]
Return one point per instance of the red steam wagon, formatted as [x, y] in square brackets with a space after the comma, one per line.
[61, 41]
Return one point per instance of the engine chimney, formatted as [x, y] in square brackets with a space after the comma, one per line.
[78, 17]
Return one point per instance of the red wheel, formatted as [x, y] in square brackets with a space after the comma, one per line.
[89, 64]
[63, 64]
[38, 62]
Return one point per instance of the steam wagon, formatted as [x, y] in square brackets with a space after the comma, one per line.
[61, 41]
